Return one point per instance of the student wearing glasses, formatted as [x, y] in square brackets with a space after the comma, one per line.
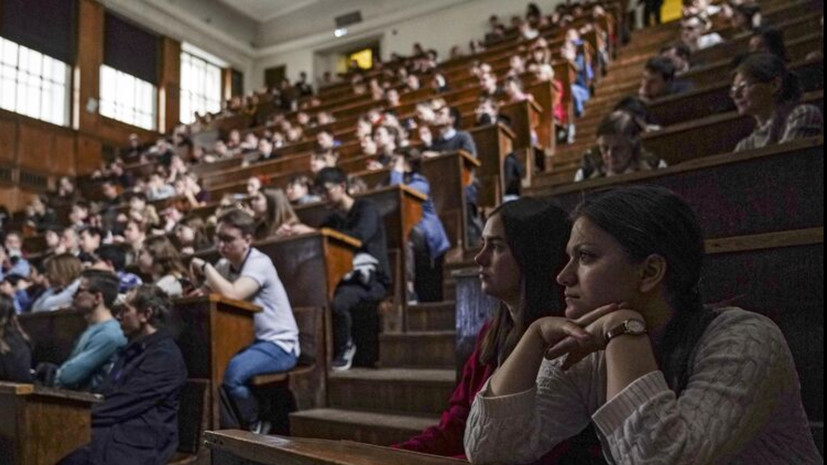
[245, 273]
[763, 87]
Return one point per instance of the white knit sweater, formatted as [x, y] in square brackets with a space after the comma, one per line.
[742, 406]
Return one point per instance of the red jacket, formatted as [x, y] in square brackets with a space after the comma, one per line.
[446, 439]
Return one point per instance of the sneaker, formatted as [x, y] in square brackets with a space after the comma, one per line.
[260, 427]
[344, 361]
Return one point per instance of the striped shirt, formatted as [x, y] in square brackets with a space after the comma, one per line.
[801, 122]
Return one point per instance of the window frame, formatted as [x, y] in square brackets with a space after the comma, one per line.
[116, 103]
[36, 79]
[192, 98]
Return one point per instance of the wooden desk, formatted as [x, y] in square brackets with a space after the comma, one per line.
[209, 331]
[40, 426]
[53, 334]
[243, 448]
[766, 190]
[494, 143]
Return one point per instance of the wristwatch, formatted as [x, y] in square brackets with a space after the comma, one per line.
[632, 327]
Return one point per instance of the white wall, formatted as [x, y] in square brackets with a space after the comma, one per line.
[440, 29]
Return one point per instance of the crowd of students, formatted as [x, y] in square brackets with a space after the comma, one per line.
[763, 87]
[557, 355]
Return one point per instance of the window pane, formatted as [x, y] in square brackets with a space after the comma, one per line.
[200, 87]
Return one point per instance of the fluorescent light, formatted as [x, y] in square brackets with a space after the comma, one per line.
[340, 32]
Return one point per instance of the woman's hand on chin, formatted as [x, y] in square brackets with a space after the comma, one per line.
[587, 334]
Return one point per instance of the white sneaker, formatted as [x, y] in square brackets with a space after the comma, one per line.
[345, 360]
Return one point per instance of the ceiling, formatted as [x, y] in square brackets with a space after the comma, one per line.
[267, 10]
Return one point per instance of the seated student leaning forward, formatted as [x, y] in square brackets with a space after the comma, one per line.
[245, 273]
[664, 379]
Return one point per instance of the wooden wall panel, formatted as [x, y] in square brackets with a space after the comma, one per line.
[89, 155]
[34, 148]
[89, 60]
[63, 155]
[8, 140]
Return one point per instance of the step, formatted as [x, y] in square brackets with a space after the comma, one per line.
[433, 349]
[368, 427]
[404, 391]
[437, 316]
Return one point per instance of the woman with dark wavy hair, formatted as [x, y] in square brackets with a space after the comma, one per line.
[664, 379]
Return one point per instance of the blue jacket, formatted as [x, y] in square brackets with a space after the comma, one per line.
[431, 226]
[137, 423]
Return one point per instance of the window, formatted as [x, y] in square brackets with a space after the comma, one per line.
[200, 87]
[128, 99]
[33, 84]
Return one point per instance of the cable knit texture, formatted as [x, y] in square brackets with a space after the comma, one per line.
[742, 406]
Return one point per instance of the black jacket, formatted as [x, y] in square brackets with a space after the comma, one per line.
[15, 365]
[364, 222]
[137, 423]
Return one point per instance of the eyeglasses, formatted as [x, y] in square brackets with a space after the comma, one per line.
[739, 88]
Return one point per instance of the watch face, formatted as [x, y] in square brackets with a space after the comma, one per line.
[635, 327]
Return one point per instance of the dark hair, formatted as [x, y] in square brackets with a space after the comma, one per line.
[663, 66]
[773, 39]
[331, 175]
[648, 220]
[413, 157]
[240, 220]
[765, 67]
[92, 231]
[7, 321]
[749, 12]
[537, 233]
[456, 115]
[622, 124]
[635, 107]
[301, 179]
[150, 297]
[112, 254]
[105, 283]
[681, 49]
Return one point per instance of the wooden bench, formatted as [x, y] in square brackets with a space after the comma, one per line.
[306, 383]
[40, 426]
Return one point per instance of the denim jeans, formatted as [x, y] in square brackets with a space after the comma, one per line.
[262, 357]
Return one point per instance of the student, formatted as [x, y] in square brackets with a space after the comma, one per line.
[429, 239]
[63, 273]
[663, 379]
[112, 258]
[763, 87]
[768, 40]
[245, 273]
[137, 423]
[619, 149]
[274, 215]
[15, 353]
[658, 80]
[95, 350]
[523, 249]
[14, 261]
[681, 56]
[370, 279]
[160, 260]
[191, 235]
[299, 191]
